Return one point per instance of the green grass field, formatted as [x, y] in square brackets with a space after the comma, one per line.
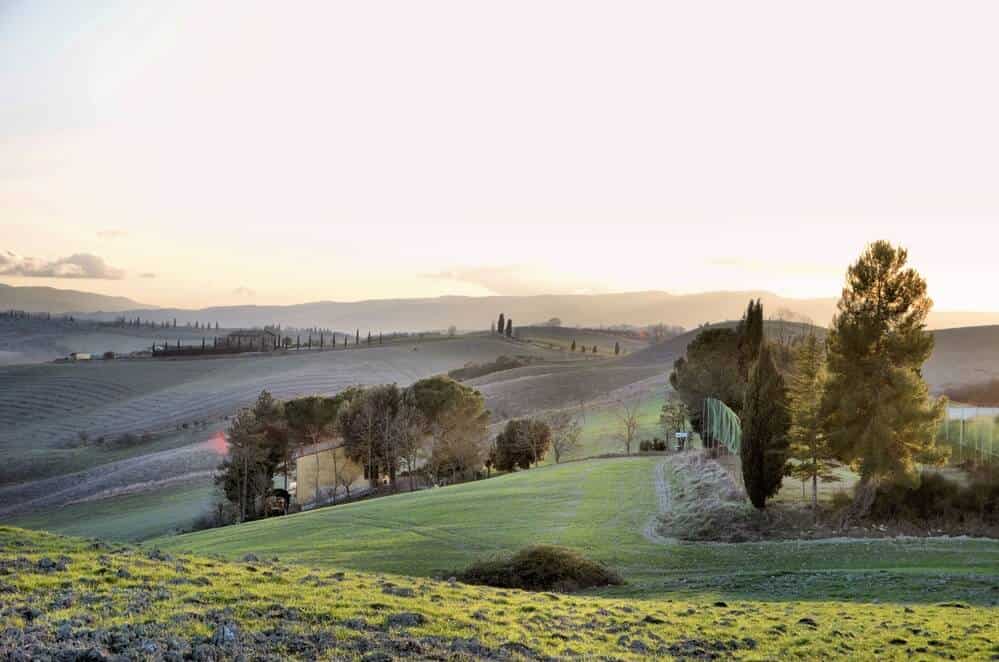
[333, 583]
[602, 508]
[139, 604]
[131, 517]
[602, 429]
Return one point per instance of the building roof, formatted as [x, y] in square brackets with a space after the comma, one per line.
[253, 333]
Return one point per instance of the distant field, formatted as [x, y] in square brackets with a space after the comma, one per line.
[36, 340]
[132, 517]
[603, 507]
[602, 428]
[44, 408]
[561, 338]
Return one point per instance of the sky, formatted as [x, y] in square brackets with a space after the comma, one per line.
[232, 152]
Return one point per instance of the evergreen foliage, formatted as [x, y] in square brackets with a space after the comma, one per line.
[808, 443]
[765, 425]
[877, 409]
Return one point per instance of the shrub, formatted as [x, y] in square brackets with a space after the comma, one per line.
[937, 498]
[645, 446]
[542, 568]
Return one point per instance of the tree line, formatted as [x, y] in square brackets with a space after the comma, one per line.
[435, 431]
[857, 399]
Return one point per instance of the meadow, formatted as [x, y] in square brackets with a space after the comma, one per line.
[604, 508]
[69, 594]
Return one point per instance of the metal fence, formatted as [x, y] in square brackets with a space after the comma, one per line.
[721, 426]
[971, 432]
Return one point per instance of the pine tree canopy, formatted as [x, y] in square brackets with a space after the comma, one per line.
[879, 416]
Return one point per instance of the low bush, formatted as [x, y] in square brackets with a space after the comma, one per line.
[938, 498]
[542, 568]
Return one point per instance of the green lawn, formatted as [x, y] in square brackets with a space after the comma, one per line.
[602, 507]
[602, 428]
[132, 517]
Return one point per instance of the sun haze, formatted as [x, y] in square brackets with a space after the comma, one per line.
[193, 154]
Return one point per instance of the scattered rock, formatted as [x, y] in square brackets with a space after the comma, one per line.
[810, 622]
[250, 557]
[225, 635]
[405, 620]
[399, 591]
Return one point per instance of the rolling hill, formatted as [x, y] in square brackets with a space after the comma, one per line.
[72, 597]
[54, 300]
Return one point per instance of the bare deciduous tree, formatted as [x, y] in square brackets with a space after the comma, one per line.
[565, 433]
[627, 414]
[348, 473]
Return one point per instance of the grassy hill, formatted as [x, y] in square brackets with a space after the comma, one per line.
[69, 595]
[603, 508]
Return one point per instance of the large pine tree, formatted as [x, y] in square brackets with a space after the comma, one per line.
[879, 416]
[764, 430]
[809, 444]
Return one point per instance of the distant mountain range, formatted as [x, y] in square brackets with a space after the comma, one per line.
[466, 313]
[53, 300]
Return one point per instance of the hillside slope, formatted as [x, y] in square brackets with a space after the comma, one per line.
[35, 299]
[602, 508]
[44, 409]
[75, 599]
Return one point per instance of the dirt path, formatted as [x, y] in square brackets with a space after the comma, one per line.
[664, 499]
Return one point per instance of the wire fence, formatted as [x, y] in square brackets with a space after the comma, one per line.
[721, 426]
[971, 433]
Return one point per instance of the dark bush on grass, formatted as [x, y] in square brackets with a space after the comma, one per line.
[937, 498]
[542, 568]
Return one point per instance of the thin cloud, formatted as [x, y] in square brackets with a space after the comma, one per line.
[147, 275]
[513, 281]
[112, 234]
[78, 265]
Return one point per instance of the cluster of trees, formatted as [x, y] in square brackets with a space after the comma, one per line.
[806, 406]
[503, 326]
[436, 427]
[525, 442]
[583, 348]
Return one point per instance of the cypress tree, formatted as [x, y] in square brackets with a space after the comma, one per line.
[617, 348]
[357, 337]
[750, 333]
[573, 348]
[501, 325]
[594, 349]
[765, 425]
[509, 328]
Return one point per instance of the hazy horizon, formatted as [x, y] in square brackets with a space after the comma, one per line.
[192, 155]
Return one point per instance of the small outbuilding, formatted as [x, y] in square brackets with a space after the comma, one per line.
[254, 340]
[79, 356]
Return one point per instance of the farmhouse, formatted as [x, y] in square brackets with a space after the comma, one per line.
[263, 340]
[79, 356]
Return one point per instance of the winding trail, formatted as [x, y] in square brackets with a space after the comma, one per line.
[665, 500]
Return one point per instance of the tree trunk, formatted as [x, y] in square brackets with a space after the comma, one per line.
[335, 478]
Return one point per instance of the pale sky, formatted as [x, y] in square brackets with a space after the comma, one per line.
[262, 152]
